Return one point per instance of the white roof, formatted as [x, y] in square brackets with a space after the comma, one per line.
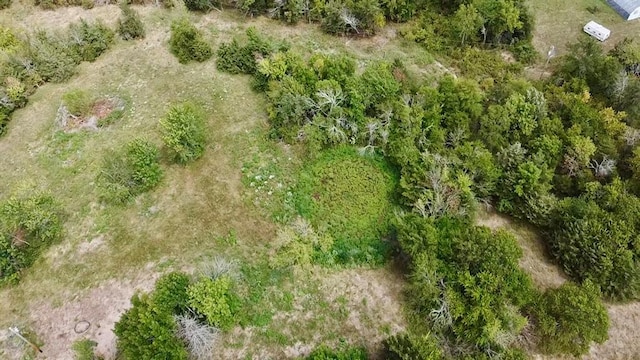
[594, 26]
[624, 7]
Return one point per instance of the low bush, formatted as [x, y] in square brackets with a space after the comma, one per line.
[408, 346]
[85, 350]
[13, 95]
[129, 172]
[28, 224]
[215, 301]
[147, 331]
[88, 41]
[78, 102]
[187, 43]
[184, 132]
[130, 26]
[571, 318]
[5, 4]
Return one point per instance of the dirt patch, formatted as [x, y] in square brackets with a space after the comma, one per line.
[101, 307]
[91, 245]
[624, 337]
[535, 261]
[374, 301]
[97, 117]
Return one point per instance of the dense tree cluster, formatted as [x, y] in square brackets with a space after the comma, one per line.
[559, 154]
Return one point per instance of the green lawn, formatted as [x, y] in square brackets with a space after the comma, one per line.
[559, 22]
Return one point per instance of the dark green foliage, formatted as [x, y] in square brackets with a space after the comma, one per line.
[407, 346]
[347, 353]
[187, 42]
[29, 223]
[184, 132]
[351, 17]
[349, 197]
[170, 293]
[5, 4]
[599, 245]
[587, 60]
[571, 318]
[147, 331]
[129, 24]
[201, 5]
[129, 172]
[88, 41]
[235, 58]
[215, 301]
[466, 280]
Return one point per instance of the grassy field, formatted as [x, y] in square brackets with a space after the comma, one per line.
[198, 212]
[560, 22]
[209, 208]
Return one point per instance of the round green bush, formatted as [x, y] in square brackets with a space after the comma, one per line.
[350, 197]
[187, 43]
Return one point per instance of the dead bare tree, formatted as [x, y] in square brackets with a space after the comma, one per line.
[603, 168]
[200, 338]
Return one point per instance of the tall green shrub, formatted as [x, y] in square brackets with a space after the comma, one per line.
[187, 43]
[184, 132]
[129, 25]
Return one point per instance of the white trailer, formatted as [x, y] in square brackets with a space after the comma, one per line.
[597, 31]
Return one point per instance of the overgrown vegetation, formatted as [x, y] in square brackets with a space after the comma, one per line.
[235, 58]
[391, 160]
[349, 197]
[187, 43]
[544, 154]
[129, 172]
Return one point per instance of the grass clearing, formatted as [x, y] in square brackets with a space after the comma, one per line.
[560, 22]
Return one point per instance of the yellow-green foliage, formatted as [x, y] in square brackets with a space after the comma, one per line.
[9, 42]
[213, 300]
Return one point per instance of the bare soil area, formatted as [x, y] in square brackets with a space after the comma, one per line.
[60, 326]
